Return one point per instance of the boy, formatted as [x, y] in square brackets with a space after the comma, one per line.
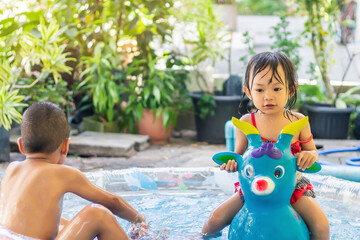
[32, 190]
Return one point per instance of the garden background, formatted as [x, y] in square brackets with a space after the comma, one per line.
[108, 64]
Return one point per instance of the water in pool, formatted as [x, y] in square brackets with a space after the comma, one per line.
[184, 198]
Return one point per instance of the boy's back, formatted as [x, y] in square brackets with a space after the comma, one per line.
[31, 195]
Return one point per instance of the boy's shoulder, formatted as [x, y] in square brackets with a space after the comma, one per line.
[42, 167]
[13, 164]
[63, 170]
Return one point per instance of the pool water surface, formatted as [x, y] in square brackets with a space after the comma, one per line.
[183, 200]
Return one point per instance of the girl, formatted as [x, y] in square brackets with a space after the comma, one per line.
[270, 82]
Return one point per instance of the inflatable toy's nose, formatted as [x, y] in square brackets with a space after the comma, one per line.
[262, 186]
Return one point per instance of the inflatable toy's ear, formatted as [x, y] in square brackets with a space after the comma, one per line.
[250, 131]
[224, 157]
[312, 169]
[288, 132]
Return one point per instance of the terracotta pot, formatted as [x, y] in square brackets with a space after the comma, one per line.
[154, 128]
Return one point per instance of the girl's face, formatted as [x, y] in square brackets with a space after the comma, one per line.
[268, 97]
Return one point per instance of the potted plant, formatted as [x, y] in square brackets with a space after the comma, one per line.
[33, 56]
[321, 28]
[327, 122]
[10, 102]
[206, 39]
[101, 77]
[139, 24]
[156, 98]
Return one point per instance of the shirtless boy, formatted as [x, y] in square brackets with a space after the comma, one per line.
[32, 190]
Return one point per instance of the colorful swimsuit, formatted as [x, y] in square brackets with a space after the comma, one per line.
[295, 147]
[303, 185]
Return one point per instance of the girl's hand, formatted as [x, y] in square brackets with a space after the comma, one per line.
[306, 159]
[230, 166]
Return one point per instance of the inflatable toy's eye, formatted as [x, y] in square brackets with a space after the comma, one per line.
[279, 171]
[249, 170]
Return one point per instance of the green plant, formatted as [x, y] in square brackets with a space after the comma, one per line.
[283, 42]
[264, 7]
[100, 81]
[224, 1]
[314, 94]
[206, 40]
[47, 91]
[154, 89]
[10, 100]
[248, 41]
[31, 55]
[206, 105]
[341, 98]
[321, 28]
[90, 22]
[45, 52]
[351, 96]
[148, 20]
[309, 94]
[124, 30]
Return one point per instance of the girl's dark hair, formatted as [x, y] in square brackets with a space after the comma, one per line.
[44, 127]
[272, 60]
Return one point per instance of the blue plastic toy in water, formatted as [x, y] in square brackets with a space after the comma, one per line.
[267, 174]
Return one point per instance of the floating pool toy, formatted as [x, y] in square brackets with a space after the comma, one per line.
[140, 181]
[267, 174]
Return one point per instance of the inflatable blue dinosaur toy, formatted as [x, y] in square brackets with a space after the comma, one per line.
[267, 174]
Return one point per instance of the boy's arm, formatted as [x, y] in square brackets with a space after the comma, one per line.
[78, 184]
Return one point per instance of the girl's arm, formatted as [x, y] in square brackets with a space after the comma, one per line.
[241, 143]
[77, 183]
[308, 154]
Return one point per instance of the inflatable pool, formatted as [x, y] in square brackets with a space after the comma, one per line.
[177, 201]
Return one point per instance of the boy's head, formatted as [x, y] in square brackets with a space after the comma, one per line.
[44, 127]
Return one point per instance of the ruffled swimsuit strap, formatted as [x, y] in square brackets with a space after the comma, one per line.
[253, 119]
[302, 142]
[296, 146]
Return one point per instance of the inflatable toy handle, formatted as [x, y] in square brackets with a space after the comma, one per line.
[312, 169]
[224, 157]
